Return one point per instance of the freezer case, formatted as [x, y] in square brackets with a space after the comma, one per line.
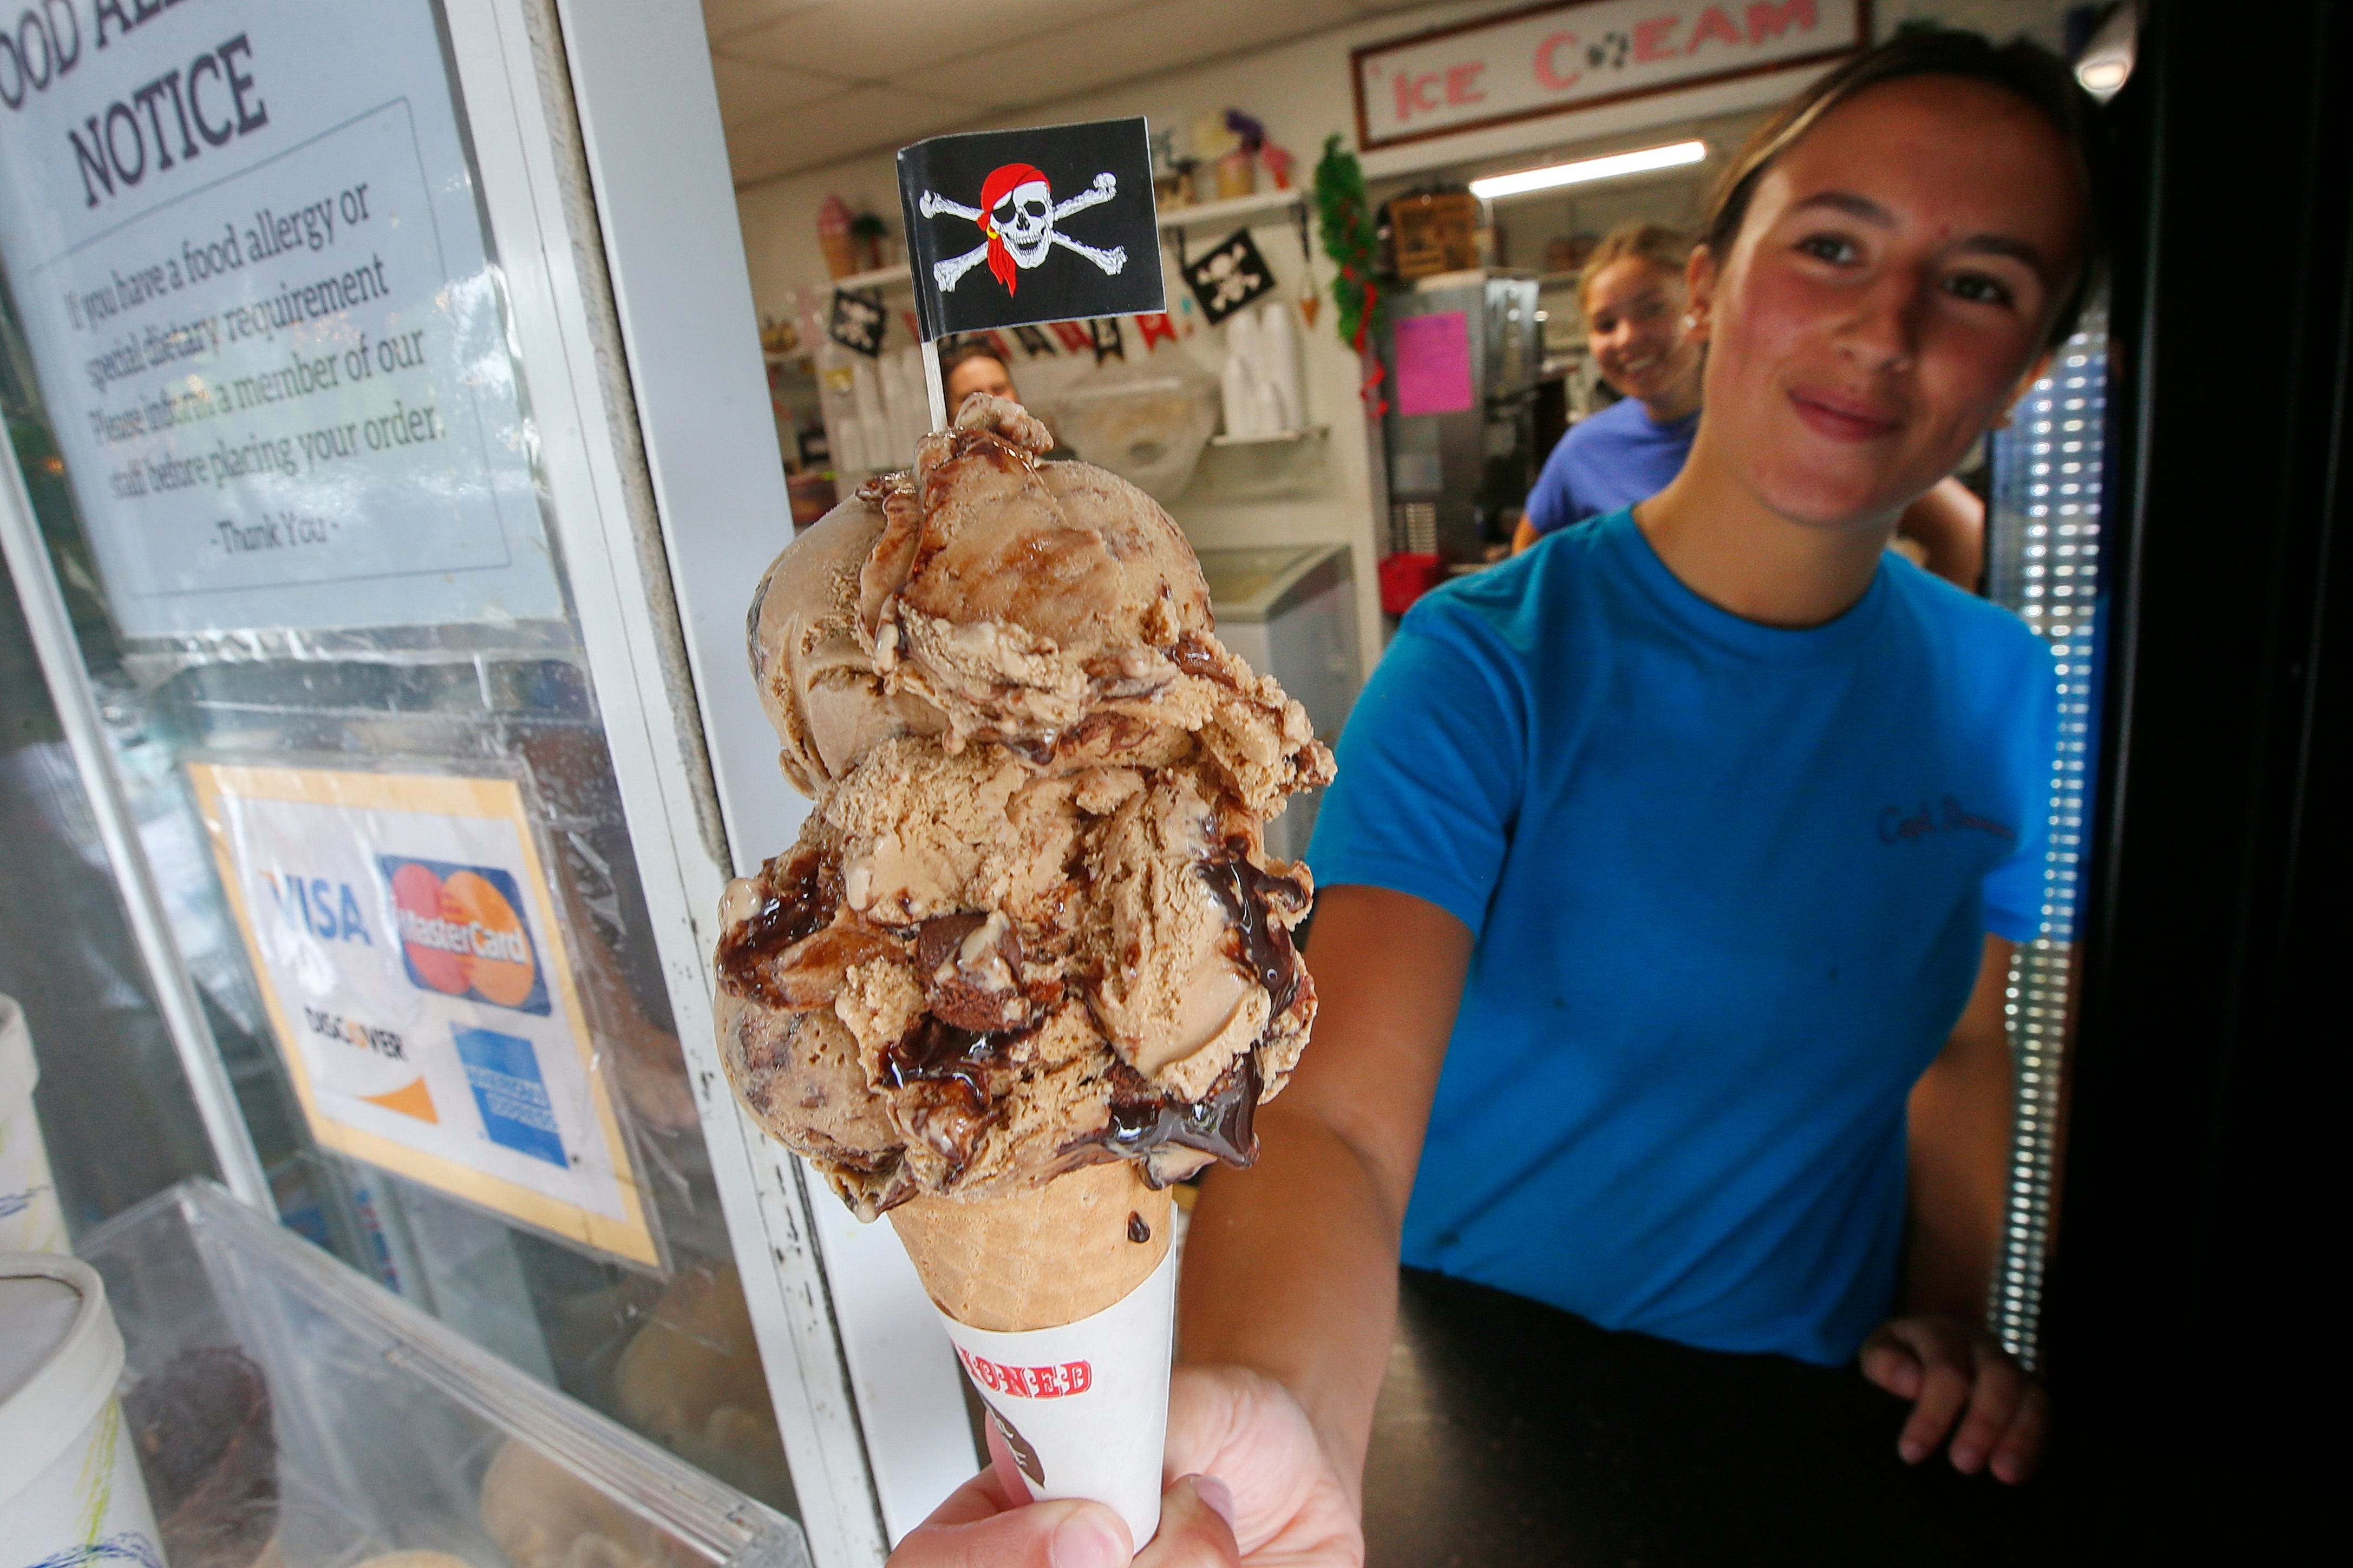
[291, 1414]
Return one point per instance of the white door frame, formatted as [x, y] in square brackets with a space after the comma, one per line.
[590, 399]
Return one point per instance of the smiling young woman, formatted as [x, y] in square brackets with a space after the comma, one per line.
[1669, 880]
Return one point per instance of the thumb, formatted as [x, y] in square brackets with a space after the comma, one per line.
[1067, 1534]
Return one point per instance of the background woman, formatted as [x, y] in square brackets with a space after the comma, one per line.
[1670, 881]
[1643, 339]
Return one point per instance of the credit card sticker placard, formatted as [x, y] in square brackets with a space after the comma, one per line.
[404, 932]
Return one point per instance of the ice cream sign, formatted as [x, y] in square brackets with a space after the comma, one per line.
[1589, 52]
[402, 931]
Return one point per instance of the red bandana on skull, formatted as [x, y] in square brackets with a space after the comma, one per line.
[1002, 182]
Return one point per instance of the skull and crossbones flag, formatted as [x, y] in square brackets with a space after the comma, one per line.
[1231, 277]
[1006, 227]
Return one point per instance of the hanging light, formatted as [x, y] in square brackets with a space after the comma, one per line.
[1584, 171]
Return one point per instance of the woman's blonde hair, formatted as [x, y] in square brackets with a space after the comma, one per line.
[1664, 248]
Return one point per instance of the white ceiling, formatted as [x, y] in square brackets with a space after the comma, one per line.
[808, 82]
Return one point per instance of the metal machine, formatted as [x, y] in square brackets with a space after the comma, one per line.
[1462, 350]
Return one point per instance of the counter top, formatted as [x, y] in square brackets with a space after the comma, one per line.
[1511, 1433]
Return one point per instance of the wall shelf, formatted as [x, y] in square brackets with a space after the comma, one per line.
[1231, 208]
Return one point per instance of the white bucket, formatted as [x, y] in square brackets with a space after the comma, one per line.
[30, 1220]
[70, 1494]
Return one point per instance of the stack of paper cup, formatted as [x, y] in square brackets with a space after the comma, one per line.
[1060, 1300]
[70, 1484]
[30, 1220]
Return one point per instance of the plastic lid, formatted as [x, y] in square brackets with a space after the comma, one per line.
[59, 1355]
[18, 1070]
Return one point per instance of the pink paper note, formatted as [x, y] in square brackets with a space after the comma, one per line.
[1433, 364]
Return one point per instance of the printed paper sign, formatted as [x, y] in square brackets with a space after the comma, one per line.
[1433, 364]
[1552, 58]
[406, 944]
[252, 274]
[1084, 1407]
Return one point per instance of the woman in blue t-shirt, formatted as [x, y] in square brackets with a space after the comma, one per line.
[1641, 332]
[1672, 869]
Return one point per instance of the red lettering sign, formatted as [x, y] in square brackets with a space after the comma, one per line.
[1772, 21]
[1029, 1382]
[1650, 38]
[1548, 69]
[1458, 84]
[1713, 25]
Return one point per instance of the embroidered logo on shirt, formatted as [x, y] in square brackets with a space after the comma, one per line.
[1897, 825]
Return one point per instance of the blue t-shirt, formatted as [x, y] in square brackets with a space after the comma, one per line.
[1609, 461]
[1729, 885]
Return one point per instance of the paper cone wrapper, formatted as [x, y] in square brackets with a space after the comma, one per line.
[1061, 1303]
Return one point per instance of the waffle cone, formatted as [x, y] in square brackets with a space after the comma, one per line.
[1038, 1258]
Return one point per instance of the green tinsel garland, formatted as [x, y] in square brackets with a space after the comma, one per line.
[1346, 215]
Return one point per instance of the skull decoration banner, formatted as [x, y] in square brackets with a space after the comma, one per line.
[858, 321]
[1230, 276]
[1006, 227]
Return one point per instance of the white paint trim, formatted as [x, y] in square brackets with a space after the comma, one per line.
[884, 1429]
[51, 626]
[524, 188]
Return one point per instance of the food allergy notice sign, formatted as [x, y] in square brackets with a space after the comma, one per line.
[406, 940]
[243, 240]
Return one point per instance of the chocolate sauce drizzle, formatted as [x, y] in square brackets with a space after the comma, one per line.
[1266, 947]
[796, 900]
[935, 1051]
[1138, 1231]
[1218, 1123]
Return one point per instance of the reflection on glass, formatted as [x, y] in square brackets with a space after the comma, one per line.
[284, 460]
[2049, 468]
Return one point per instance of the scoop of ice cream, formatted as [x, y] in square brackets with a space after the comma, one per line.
[1052, 608]
[1031, 925]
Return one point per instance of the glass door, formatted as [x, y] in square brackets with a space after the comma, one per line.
[318, 387]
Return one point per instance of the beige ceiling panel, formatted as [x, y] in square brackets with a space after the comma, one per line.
[723, 18]
[749, 91]
[864, 119]
[883, 38]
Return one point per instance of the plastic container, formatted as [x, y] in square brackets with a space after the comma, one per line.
[322, 1422]
[30, 1220]
[70, 1484]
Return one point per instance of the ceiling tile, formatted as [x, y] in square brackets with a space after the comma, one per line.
[875, 40]
[1074, 60]
[723, 18]
[859, 121]
[749, 91]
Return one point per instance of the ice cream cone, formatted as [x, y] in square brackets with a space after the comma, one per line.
[1040, 1257]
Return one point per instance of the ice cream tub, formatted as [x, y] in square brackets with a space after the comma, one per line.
[70, 1492]
[30, 1220]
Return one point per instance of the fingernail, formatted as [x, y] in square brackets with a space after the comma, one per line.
[1967, 1460]
[1217, 1495]
[1086, 1540]
[1911, 1453]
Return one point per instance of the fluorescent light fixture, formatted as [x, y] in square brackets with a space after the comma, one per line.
[1587, 170]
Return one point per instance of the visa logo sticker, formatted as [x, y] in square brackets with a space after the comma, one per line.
[462, 932]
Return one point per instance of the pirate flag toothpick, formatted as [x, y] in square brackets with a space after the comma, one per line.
[1006, 227]
[1230, 276]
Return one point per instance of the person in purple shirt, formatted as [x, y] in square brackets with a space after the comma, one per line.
[1639, 330]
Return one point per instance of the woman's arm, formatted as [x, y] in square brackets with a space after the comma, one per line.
[1291, 1267]
[1939, 1353]
[1961, 1118]
[1948, 526]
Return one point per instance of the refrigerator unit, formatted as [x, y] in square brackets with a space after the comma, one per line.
[1461, 351]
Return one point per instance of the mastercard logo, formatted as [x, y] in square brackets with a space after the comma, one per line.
[462, 933]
